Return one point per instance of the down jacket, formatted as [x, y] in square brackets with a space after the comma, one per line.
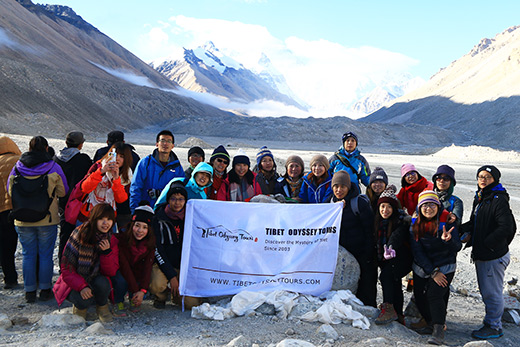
[9, 155]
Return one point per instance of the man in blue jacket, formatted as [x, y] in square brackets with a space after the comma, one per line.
[155, 170]
[349, 159]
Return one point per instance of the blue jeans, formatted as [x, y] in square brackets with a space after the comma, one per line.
[100, 287]
[37, 241]
[490, 277]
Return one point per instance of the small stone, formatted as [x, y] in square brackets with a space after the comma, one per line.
[289, 332]
[98, 329]
[328, 332]
[60, 320]
[266, 309]
[463, 291]
[479, 344]
[239, 341]
[294, 343]
[5, 322]
[20, 320]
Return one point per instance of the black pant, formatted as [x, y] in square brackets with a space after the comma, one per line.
[392, 287]
[367, 284]
[8, 243]
[432, 299]
[100, 287]
[65, 230]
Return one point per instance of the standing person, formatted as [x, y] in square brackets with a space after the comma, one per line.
[9, 155]
[444, 182]
[38, 238]
[136, 244]
[265, 170]
[75, 166]
[240, 185]
[490, 230]
[123, 209]
[88, 260]
[394, 256]
[357, 234]
[289, 185]
[155, 170]
[316, 186]
[376, 185]
[349, 159]
[412, 184]
[107, 181]
[219, 160]
[196, 155]
[435, 244]
[168, 225]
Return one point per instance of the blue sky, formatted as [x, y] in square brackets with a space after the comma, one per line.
[373, 39]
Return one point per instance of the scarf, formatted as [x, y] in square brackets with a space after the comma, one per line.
[294, 186]
[241, 191]
[175, 215]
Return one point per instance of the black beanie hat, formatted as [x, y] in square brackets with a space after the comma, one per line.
[219, 152]
[143, 213]
[176, 188]
[378, 174]
[196, 150]
[446, 170]
[492, 170]
[241, 158]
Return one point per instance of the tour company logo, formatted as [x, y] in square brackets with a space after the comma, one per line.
[222, 232]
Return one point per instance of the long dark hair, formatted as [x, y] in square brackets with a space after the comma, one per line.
[249, 177]
[129, 239]
[423, 226]
[89, 228]
[124, 150]
[393, 221]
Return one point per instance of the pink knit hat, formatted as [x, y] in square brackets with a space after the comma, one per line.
[407, 168]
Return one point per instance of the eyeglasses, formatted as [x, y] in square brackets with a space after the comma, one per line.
[411, 173]
[165, 141]
[443, 178]
[222, 161]
[177, 199]
[485, 178]
[195, 155]
[429, 205]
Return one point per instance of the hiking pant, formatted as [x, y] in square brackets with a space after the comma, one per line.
[490, 277]
[100, 287]
[159, 288]
[8, 243]
[65, 230]
[367, 284]
[37, 246]
[432, 299]
[392, 287]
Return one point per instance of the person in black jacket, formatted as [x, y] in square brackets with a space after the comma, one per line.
[357, 234]
[394, 256]
[489, 231]
[168, 225]
[75, 166]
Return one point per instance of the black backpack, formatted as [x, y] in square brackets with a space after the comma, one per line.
[30, 198]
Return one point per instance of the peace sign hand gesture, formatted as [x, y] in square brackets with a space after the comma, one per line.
[446, 235]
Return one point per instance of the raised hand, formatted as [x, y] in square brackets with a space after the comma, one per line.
[446, 235]
[389, 253]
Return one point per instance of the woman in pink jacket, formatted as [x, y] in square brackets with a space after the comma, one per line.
[87, 261]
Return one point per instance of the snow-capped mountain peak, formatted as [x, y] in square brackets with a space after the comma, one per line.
[211, 56]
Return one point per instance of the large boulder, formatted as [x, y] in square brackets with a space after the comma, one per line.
[347, 271]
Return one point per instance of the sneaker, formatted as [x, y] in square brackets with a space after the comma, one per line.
[487, 332]
[387, 314]
[30, 297]
[159, 304]
[120, 310]
[133, 308]
[45, 295]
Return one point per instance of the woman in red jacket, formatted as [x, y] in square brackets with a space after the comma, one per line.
[136, 245]
[240, 184]
[412, 184]
[108, 180]
[87, 260]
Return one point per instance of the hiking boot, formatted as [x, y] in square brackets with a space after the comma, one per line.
[134, 308]
[400, 319]
[487, 332]
[30, 297]
[80, 312]
[45, 295]
[159, 304]
[120, 310]
[437, 335]
[387, 314]
[422, 327]
[104, 314]
[10, 285]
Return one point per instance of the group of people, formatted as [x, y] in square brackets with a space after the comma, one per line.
[122, 218]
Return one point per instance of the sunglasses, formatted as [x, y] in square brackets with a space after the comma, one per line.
[222, 161]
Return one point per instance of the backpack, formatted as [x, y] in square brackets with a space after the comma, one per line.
[354, 203]
[30, 198]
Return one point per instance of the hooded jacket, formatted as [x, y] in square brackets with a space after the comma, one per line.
[151, 174]
[492, 224]
[168, 238]
[311, 194]
[33, 164]
[75, 166]
[357, 161]
[9, 155]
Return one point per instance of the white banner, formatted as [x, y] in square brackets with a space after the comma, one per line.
[232, 246]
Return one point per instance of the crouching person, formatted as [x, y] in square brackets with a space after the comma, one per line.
[168, 225]
[136, 245]
[87, 262]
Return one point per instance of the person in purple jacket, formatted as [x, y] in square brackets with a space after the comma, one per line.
[38, 238]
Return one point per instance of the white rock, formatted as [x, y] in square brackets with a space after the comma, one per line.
[346, 275]
[294, 343]
[60, 320]
[479, 344]
[328, 332]
[239, 341]
[5, 322]
[98, 329]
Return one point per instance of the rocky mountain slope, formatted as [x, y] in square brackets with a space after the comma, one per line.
[207, 70]
[60, 73]
[477, 95]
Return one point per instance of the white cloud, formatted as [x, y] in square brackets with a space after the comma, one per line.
[128, 76]
[326, 75]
